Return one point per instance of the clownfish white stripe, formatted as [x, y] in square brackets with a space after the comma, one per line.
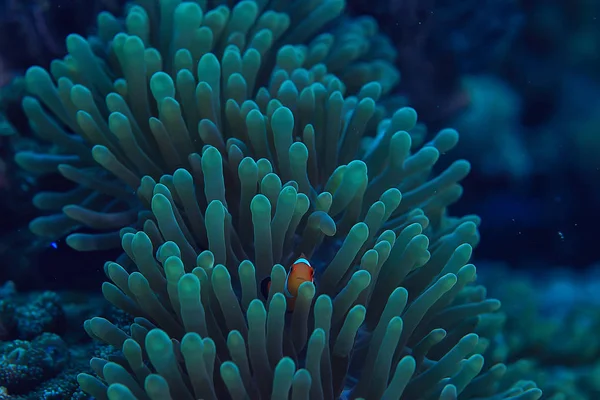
[303, 260]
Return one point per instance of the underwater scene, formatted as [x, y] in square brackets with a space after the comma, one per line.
[299, 199]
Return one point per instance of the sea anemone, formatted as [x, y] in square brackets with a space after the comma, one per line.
[173, 76]
[212, 183]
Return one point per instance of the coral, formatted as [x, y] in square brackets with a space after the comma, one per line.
[143, 98]
[25, 364]
[44, 313]
[37, 354]
[550, 331]
[549, 328]
[47, 366]
[7, 289]
[496, 109]
[478, 34]
[62, 387]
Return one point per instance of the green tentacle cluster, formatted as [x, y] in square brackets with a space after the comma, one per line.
[215, 142]
[391, 314]
[171, 77]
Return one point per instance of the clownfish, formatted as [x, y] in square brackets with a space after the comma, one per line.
[301, 271]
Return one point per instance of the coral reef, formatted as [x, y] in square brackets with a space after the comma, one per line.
[40, 314]
[494, 108]
[44, 366]
[25, 364]
[550, 324]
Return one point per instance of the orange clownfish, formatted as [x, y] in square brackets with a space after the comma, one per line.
[301, 271]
